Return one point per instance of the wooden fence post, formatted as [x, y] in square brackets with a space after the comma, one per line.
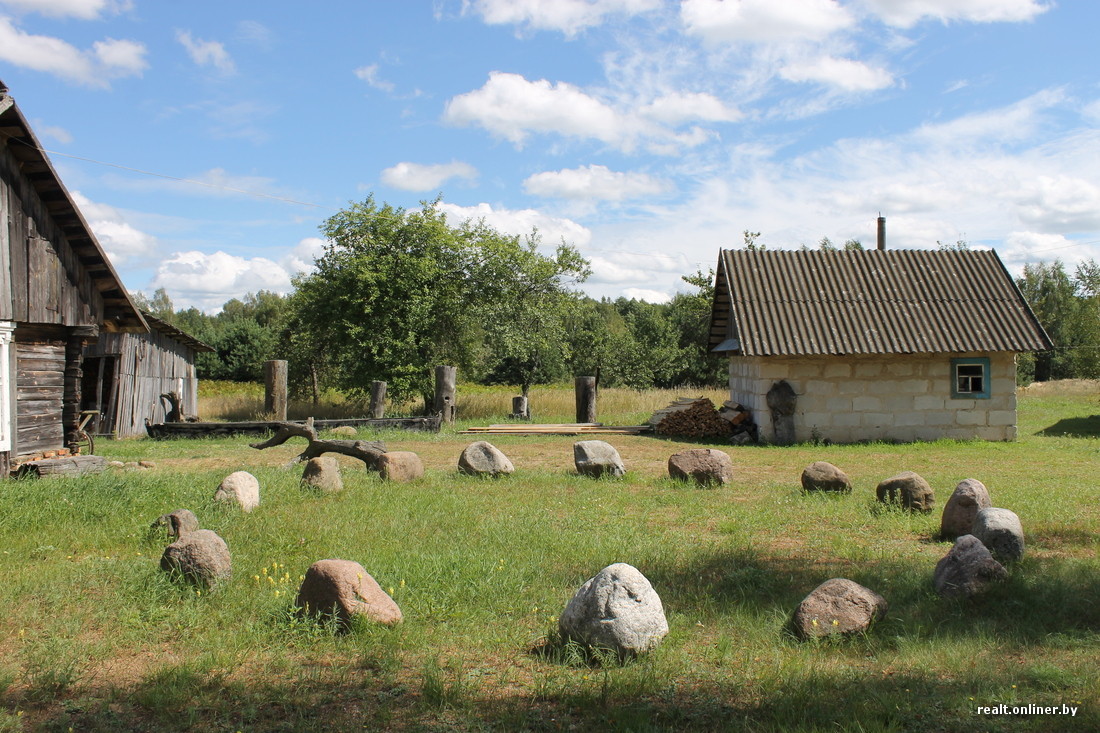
[444, 404]
[586, 399]
[377, 407]
[521, 410]
[275, 389]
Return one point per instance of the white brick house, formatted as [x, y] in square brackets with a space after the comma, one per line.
[897, 345]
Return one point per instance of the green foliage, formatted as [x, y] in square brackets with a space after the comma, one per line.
[1069, 310]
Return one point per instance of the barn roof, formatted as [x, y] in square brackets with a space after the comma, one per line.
[169, 330]
[120, 313]
[814, 302]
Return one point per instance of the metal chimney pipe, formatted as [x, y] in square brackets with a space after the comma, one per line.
[881, 233]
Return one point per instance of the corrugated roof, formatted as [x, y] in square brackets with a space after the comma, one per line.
[813, 302]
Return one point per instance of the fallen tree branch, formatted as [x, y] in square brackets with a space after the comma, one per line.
[368, 451]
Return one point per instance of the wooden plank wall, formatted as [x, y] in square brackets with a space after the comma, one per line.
[40, 384]
[45, 282]
[148, 365]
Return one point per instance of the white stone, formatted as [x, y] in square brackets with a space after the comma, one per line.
[241, 488]
[616, 610]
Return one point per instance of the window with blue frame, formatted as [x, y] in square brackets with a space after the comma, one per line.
[970, 378]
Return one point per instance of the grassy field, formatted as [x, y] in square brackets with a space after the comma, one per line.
[95, 637]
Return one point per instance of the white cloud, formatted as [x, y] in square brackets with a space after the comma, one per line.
[906, 13]
[679, 107]
[207, 53]
[594, 182]
[763, 21]
[1018, 121]
[53, 132]
[418, 177]
[107, 60]
[567, 16]
[209, 280]
[844, 74]
[121, 241]
[1061, 204]
[301, 258]
[520, 222]
[510, 106]
[650, 296]
[369, 74]
[81, 9]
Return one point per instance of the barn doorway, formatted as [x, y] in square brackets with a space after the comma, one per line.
[97, 391]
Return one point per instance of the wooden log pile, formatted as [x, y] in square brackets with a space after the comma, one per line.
[696, 417]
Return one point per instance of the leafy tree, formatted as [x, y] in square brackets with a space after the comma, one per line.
[689, 314]
[1052, 295]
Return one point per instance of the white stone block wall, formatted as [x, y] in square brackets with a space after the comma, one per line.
[896, 398]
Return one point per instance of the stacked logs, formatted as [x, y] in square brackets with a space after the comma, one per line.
[696, 417]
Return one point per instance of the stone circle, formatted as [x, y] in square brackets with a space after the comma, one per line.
[824, 476]
[704, 466]
[1000, 531]
[322, 473]
[345, 589]
[907, 489]
[400, 465]
[967, 569]
[240, 488]
[962, 508]
[616, 610]
[837, 606]
[201, 557]
[482, 458]
[597, 458]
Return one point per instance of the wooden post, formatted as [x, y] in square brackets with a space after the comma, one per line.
[586, 399]
[377, 409]
[444, 403]
[521, 410]
[275, 389]
[79, 336]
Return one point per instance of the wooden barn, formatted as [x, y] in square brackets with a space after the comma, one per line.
[850, 346]
[125, 375]
[58, 292]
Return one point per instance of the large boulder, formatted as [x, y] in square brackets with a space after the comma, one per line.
[960, 511]
[323, 474]
[824, 476]
[704, 466]
[1000, 531]
[967, 569]
[484, 459]
[240, 488]
[837, 606]
[617, 610]
[343, 588]
[907, 489]
[596, 458]
[176, 524]
[201, 557]
[400, 465]
[345, 431]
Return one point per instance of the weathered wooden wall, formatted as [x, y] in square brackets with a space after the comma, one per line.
[147, 365]
[40, 382]
[44, 280]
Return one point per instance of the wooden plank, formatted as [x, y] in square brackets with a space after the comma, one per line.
[66, 466]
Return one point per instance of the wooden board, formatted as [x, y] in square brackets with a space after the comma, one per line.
[558, 429]
[67, 466]
[207, 429]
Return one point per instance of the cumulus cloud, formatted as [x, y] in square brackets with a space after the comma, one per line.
[594, 182]
[80, 9]
[520, 222]
[122, 241]
[370, 75]
[53, 132]
[208, 280]
[1061, 204]
[418, 177]
[907, 13]
[650, 296]
[301, 257]
[763, 21]
[677, 108]
[106, 60]
[843, 74]
[567, 16]
[207, 53]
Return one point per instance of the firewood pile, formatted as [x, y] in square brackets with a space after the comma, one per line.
[696, 417]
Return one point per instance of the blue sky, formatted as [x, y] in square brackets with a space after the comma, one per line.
[648, 133]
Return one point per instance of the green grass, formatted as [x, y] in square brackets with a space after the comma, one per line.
[95, 637]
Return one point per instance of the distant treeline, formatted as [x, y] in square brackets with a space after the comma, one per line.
[396, 292]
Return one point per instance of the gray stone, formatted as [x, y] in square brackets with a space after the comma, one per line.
[240, 488]
[201, 557]
[838, 606]
[178, 523]
[704, 466]
[1000, 531]
[616, 610]
[345, 430]
[824, 476]
[962, 508]
[115, 464]
[344, 588]
[484, 459]
[907, 489]
[322, 473]
[400, 465]
[967, 569]
[596, 458]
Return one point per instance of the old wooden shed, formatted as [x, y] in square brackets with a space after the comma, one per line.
[873, 345]
[58, 292]
[126, 373]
